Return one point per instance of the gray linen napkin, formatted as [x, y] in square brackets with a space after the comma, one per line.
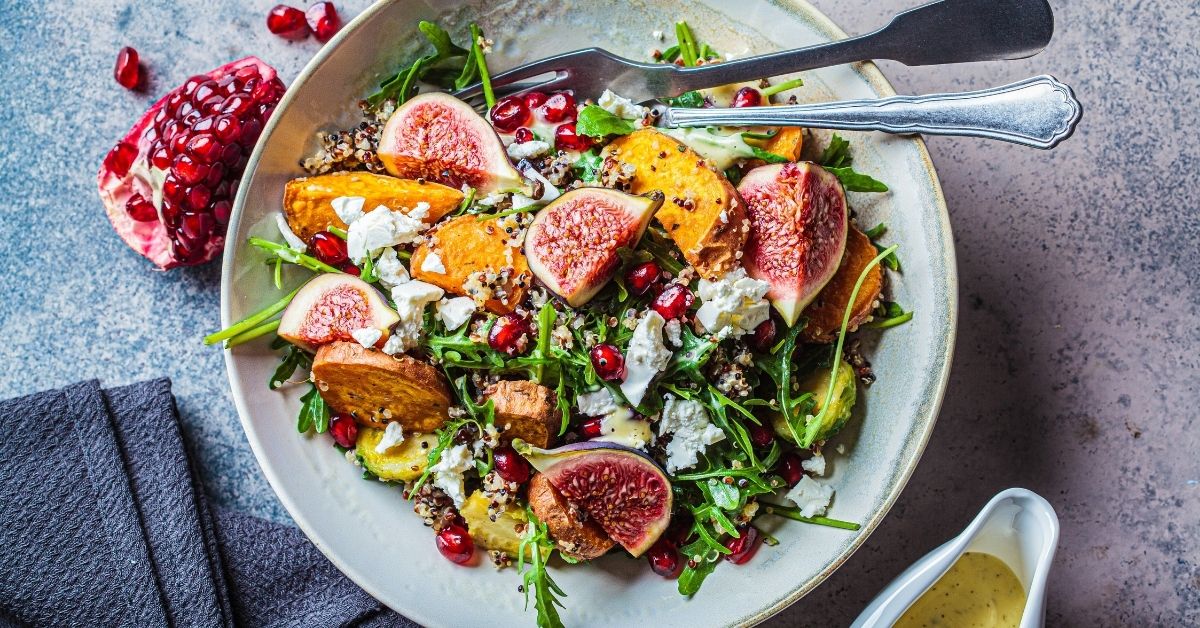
[103, 523]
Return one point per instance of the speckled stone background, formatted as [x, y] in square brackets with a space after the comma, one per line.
[1076, 368]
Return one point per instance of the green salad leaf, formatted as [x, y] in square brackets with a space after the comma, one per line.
[595, 121]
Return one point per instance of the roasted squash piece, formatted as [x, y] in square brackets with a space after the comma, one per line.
[525, 410]
[703, 213]
[502, 535]
[307, 208]
[469, 250]
[786, 143]
[826, 311]
[574, 533]
[404, 462]
[377, 388]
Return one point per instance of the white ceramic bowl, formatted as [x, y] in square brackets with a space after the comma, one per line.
[370, 532]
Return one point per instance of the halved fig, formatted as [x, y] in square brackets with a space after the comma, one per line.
[572, 244]
[438, 137]
[619, 488]
[825, 313]
[798, 222]
[168, 185]
[331, 308]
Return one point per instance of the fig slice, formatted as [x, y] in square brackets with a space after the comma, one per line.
[798, 223]
[572, 244]
[331, 308]
[438, 137]
[619, 488]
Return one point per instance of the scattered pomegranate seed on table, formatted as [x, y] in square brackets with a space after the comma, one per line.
[127, 71]
[323, 20]
[608, 362]
[747, 97]
[288, 22]
[344, 430]
[455, 544]
[510, 465]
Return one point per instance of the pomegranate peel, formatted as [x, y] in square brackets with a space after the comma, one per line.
[572, 244]
[331, 307]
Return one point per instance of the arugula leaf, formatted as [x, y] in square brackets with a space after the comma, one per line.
[447, 60]
[440, 40]
[889, 314]
[587, 167]
[768, 156]
[734, 174]
[858, 182]
[314, 414]
[293, 357]
[837, 154]
[595, 121]
[724, 495]
[692, 577]
[535, 578]
[877, 231]
[688, 100]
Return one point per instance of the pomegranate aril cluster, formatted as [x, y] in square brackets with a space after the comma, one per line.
[514, 114]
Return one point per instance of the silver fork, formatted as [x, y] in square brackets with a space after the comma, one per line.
[1039, 112]
[947, 31]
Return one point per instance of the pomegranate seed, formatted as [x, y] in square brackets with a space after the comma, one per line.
[188, 170]
[323, 20]
[559, 107]
[789, 469]
[565, 138]
[329, 248]
[198, 197]
[204, 147]
[639, 278]
[227, 128]
[761, 435]
[141, 209]
[509, 114]
[743, 547]
[608, 362]
[664, 559]
[510, 465]
[196, 226]
[287, 22]
[674, 301]
[522, 135]
[763, 337]
[455, 544]
[509, 334]
[591, 428]
[344, 430]
[221, 210]
[204, 91]
[350, 269]
[127, 71]
[533, 100]
[120, 158]
[747, 97]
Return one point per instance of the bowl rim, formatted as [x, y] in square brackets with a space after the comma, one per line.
[879, 84]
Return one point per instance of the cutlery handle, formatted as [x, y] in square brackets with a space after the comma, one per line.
[1038, 112]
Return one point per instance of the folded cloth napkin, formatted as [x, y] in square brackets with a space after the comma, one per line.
[104, 523]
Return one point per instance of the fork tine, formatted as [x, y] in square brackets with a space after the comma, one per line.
[559, 64]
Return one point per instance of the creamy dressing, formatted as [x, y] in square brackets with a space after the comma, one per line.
[721, 150]
[623, 427]
[979, 590]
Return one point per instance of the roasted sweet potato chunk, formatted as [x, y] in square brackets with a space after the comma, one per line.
[306, 200]
[525, 410]
[703, 213]
[378, 388]
[575, 535]
[826, 311]
[786, 143]
[472, 253]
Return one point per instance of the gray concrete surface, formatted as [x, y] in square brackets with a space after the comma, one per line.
[1076, 368]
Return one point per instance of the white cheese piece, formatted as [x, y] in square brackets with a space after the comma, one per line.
[621, 106]
[433, 264]
[597, 403]
[645, 357]
[520, 201]
[527, 150]
[348, 208]
[289, 236]
[811, 496]
[691, 432]
[393, 435]
[623, 427]
[383, 227]
[367, 336]
[814, 465]
[734, 304]
[455, 312]
[492, 199]
[410, 299]
[448, 472]
[674, 333]
[390, 270]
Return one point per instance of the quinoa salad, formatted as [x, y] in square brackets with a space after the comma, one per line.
[564, 333]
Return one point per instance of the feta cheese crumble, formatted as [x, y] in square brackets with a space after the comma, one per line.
[621, 106]
[289, 236]
[527, 150]
[645, 357]
[455, 312]
[383, 227]
[367, 336]
[393, 435]
[811, 496]
[348, 208]
[597, 403]
[674, 333]
[448, 472]
[410, 299]
[814, 465]
[433, 264]
[734, 304]
[390, 270]
[687, 421]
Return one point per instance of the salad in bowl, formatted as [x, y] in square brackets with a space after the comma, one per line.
[562, 332]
